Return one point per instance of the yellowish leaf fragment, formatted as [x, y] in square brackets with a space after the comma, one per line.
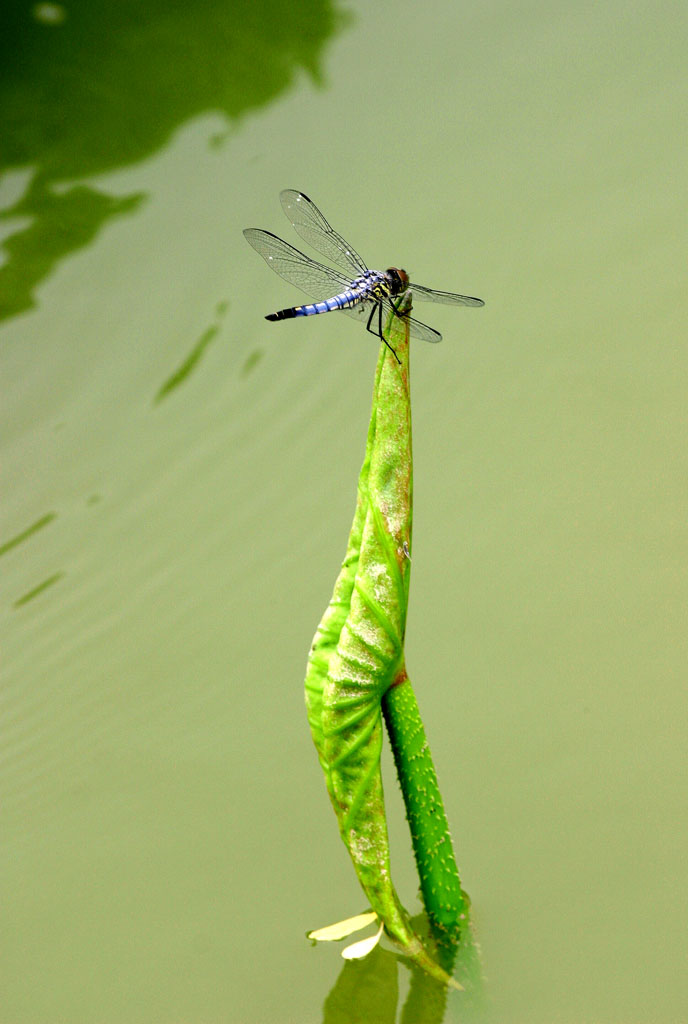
[340, 930]
[357, 950]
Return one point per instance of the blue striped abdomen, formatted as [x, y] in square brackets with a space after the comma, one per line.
[341, 301]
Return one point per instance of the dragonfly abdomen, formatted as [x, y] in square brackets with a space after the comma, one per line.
[341, 301]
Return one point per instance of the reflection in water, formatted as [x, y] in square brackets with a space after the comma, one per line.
[35, 591]
[60, 223]
[251, 362]
[184, 371]
[19, 538]
[49, 14]
[368, 990]
[107, 85]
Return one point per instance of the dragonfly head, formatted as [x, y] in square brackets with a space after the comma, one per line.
[398, 279]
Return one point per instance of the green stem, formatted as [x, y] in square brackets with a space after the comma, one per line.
[445, 902]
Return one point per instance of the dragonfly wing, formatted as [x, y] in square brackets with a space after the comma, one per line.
[362, 310]
[423, 332]
[315, 279]
[446, 298]
[416, 328]
[309, 223]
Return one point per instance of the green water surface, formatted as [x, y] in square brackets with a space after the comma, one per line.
[179, 477]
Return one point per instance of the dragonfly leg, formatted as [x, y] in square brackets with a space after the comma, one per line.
[396, 306]
[378, 333]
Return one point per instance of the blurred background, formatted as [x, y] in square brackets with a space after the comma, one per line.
[180, 476]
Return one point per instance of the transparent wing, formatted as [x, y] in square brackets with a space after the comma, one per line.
[309, 223]
[362, 311]
[447, 298]
[417, 329]
[313, 278]
[321, 282]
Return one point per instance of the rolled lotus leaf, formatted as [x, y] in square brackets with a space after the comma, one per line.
[357, 652]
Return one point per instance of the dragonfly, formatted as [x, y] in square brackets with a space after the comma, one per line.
[367, 295]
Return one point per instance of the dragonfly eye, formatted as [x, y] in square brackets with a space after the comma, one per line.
[399, 279]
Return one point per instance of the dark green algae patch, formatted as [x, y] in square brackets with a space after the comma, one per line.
[94, 86]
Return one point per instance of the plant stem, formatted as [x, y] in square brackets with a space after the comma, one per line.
[445, 902]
